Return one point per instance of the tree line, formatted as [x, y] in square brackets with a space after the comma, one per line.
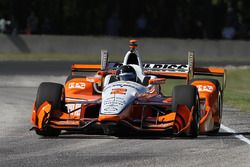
[206, 19]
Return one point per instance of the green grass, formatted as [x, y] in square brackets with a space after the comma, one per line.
[119, 58]
[236, 93]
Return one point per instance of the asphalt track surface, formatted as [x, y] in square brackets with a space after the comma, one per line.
[21, 147]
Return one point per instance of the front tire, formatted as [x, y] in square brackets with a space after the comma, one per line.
[53, 93]
[188, 95]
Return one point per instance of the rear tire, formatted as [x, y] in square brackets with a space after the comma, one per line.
[220, 107]
[188, 95]
[53, 93]
[216, 128]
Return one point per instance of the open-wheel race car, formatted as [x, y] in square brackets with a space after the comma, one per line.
[117, 98]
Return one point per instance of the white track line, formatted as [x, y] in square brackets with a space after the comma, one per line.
[241, 137]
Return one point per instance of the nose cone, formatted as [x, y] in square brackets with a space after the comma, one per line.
[118, 96]
[116, 102]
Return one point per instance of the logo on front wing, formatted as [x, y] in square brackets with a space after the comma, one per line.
[74, 109]
[205, 88]
[77, 85]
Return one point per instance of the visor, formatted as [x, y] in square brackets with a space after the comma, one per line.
[127, 77]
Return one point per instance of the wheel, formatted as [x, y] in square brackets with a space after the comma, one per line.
[53, 93]
[188, 95]
[216, 127]
[194, 132]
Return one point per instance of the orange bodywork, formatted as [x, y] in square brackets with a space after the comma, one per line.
[209, 113]
[168, 74]
[85, 67]
[82, 103]
[42, 115]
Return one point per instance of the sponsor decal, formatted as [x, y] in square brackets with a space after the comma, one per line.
[112, 105]
[166, 67]
[77, 85]
[114, 102]
[205, 88]
[110, 109]
[72, 107]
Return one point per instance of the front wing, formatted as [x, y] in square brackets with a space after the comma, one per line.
[174, 122]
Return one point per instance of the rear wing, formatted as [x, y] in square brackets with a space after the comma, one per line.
[167, 70]
[178, 71]
[90, 69]
[215, 72]
[85, 67]
[184, 71]
[84, 70]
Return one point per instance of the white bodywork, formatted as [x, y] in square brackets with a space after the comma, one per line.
[125, 60]
[119, 95]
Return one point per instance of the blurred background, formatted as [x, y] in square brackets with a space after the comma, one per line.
[217, 30]
[44, 37]
[195, 19]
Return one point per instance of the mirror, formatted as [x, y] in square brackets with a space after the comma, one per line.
[157, 81]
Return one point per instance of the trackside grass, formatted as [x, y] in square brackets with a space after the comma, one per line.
[237, 92]
[117, 58]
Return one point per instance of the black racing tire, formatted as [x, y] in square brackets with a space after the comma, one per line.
[216, 128]
[188, 95]
[53, 93]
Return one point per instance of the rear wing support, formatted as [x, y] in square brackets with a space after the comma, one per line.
[209, 71]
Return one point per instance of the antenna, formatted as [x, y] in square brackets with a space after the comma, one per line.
[104, 59]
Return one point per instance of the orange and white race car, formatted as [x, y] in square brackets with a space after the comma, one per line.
[117, 98]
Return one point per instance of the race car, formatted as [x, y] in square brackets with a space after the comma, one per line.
[117, 98]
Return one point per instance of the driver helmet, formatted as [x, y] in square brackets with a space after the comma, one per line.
[127, 73]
